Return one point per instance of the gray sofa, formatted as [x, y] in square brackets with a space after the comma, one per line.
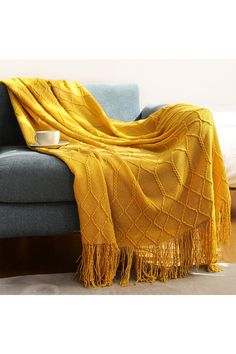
[36, 190]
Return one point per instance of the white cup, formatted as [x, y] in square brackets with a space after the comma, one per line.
[47, 137]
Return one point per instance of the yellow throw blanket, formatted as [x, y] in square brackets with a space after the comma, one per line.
[152, 195]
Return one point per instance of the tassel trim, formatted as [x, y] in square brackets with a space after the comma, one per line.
[171, 259]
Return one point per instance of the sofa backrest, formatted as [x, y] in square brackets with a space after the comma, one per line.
[10, 133]
[118, 101]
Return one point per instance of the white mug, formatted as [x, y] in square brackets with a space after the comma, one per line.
[47, 137]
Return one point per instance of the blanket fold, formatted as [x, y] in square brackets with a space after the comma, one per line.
[152, 195]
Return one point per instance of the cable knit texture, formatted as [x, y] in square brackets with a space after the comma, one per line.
[152, 195]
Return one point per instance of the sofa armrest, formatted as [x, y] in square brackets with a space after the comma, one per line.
[149, 109]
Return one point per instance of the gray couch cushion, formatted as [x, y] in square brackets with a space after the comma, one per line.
[118, 101]
[38, 219]
[28, 176]
[10, 133]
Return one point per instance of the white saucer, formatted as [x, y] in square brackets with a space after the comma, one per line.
[61, 143]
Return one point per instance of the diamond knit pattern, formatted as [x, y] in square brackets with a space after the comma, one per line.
[139, 186]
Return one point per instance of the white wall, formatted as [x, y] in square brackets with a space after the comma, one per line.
[210, 83]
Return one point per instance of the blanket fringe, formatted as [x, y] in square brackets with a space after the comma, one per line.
[223, 222]
[98, 264]
[213, 268]
[171, 259]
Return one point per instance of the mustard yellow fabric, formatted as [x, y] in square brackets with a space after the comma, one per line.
[152, 195]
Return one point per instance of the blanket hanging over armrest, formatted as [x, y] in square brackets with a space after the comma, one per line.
[152, 195]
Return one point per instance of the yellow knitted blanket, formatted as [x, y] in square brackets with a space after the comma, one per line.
[152, 195]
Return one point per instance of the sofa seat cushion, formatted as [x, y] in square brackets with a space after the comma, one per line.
[38, 219]
[28, 176]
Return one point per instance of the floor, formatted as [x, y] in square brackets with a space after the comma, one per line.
[198, 283]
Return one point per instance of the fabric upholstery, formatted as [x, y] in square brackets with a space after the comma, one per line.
[118, 101]
[38, 219]
[28, 176]
[10, 133]
[149, 109]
